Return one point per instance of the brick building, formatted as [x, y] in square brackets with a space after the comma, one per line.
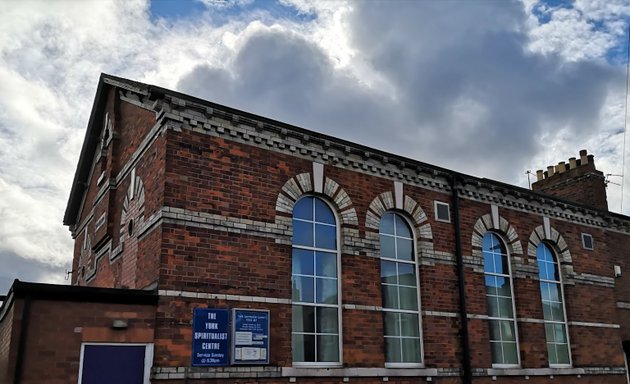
[372, 267]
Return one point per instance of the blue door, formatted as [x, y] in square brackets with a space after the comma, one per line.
[107, 364]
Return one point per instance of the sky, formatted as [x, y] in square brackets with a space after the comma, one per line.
[489, 88]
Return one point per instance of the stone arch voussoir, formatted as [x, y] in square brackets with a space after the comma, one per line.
[485, 224]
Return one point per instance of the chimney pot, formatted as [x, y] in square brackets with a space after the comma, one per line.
[539, 175]
[550, 170]
[572, 163]
[591, 160]
[583, 157]
[561, 167]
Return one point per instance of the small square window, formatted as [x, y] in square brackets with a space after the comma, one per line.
[587, 241]
[442, 212]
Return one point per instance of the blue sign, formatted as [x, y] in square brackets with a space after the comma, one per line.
[210, 341]
[250, 339]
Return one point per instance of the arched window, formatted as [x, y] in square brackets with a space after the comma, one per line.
[399, 285]
[499, 295]
[553, 307]
[315, 271]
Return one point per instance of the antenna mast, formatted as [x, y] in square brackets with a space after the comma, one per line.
[625, 121]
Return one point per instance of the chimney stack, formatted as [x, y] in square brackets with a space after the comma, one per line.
[578, 182]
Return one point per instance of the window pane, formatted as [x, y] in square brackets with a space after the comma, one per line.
[303, 209]
[563, 353]
[325, 236]
[491, 285]
[326, 291]
[552, 353]
[405, 249]
[497, 352]
[503, 286]
[487, 241]
[488, 262]
[326, 264]
[495, 329]
[510, 354]
[303, 347]
[549, 333]
[392, 350]
[557, 313]
[327, 320]
[302, 262]
[501, 264]
[505, 307]
[388, 272]
[303, 318]
[407, 275]
[303, 289]
[327, 348]
[387, 223]
[560, 335]
[388, 247]
[391, 323]
[390, 296]
[408, 298]
[302, 233]
[542, 253]
[409, 325]
[554, 292]
[493, 306]
[411, 350]
[402, 229]
[507, 331]
[323, 213]
[544, 291]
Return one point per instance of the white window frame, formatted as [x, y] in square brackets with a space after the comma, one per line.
[419, 311]
[564, 305]
[148, 357]
[514, 318]
[326, 364]
[435, 209]
[585, 235]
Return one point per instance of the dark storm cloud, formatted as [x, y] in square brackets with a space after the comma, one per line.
[439, 53]
[286, 77]
[468, 94]
[13, 267]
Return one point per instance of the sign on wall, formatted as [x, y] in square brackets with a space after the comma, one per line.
[211, 329]
[250, 336]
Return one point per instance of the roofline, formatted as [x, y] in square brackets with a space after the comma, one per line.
[74, 293]
[83, 168]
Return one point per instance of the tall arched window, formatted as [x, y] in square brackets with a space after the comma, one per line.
[399, 285]
[315, 271]
[553, 307]
[499, 295]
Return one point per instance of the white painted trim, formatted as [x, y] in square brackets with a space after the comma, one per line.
[584, 243]
[318, 177]
[535, 371]
[594, 325]
[398, 194]
[358, 372]
[547, 227]
[496, 223]
[435, 209]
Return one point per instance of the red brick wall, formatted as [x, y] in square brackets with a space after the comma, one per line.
[205, 174]
[57, 329]
[9, 336]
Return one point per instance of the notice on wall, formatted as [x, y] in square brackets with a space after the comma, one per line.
[250, 336]
[211, 330]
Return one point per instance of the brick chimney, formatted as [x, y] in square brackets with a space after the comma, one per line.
[577, 181]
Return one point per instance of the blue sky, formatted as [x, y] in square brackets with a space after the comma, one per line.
[491, 88]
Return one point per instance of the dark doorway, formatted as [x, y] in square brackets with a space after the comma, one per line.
[106, 364]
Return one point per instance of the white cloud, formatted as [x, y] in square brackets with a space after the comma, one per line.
[422, 79]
